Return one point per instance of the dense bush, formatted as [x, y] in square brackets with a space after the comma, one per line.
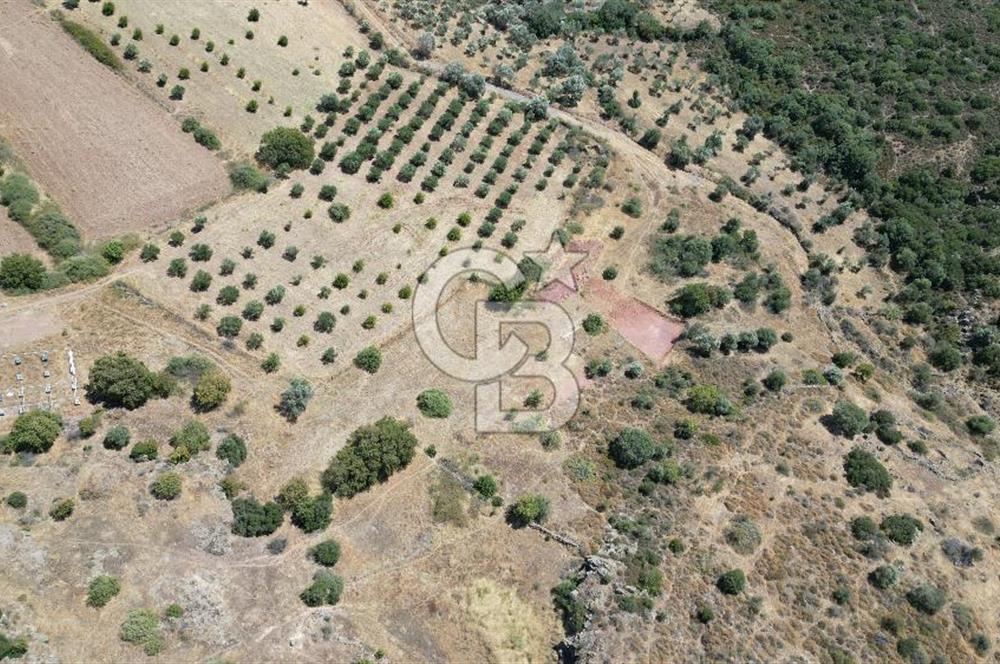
[313, 514]
[901, 528]
[120, 381]
[434, 403]
[286, 148]
[295, 399]
[192, 436]
[144, 451]
[34, 432]
[252, 519]
[368, 359]
[17, 499]
[244, 175]
[699, 298]
[62, 509]
[526, 509]
[631, 448]
[101, 590]
[732, 582]
[117, 438]
[372, 454]
[707, 399]
[142, 627]
[926, 598]
[847, 419]
[166, 487]
[232, 449]
[883, 577]
[325, 589]
[92, 42]
[21, 272]
[863, 471]
[211, 391]
[326, 553]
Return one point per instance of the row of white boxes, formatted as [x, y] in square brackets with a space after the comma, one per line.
[19, 394]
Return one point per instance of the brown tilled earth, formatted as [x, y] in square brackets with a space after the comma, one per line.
[113, 159]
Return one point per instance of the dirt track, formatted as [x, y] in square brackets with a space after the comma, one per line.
[60, 108]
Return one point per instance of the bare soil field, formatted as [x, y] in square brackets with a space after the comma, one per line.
[110, 157]
[13, 237]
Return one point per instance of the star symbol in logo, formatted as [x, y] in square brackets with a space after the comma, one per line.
[557, 262]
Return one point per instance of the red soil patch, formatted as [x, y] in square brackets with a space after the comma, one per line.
[651, 331]
[109, 156]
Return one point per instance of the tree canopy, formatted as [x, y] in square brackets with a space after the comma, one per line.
[372, 454]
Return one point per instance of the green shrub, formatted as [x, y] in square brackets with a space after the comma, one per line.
[120, 381]
[901, 528]
[144, 451]
[926, 598]
[62, 510]
[326, 553]
[34, 431]
[486, 486]
[142, 627]
[295, 399]
[17, 499]
[707, 399]
[699, 298]
[434, 403]
[325, 589]
[245, 175]
[232, 449]
[229, 327]
[210, 391]
[286, 148]
[775, 380]
[863, 528]
[251, 519]
[12, 648]
[313, 514]
[732, 582]
[372, 454]
[526, 509]
[631, 448]
[883, 577]
[594, 324]
[101, 590]
[21, 273]
[863, 471]
[166, 487]
[339, 212]
[847, 419]
[368, 359]
[193, 436]
[980, 425]
[743, 535]
[117, 438]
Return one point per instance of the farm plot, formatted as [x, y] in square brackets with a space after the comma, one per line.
[238, 77]
[111, 158]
